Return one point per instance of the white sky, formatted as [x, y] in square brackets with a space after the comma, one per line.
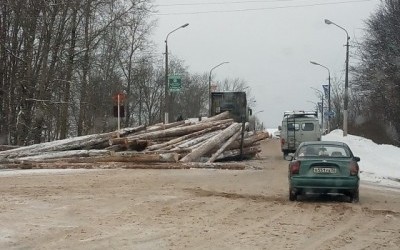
[270, 48]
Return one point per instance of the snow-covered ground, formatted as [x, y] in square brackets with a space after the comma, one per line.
[380, 164]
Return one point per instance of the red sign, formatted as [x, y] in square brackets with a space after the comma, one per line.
[119, 96]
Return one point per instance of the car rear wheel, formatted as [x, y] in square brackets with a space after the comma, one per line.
[292, 195]
[354, 196]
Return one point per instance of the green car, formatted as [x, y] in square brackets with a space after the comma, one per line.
[323, 167]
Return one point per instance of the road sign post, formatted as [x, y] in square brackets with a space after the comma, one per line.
[119, 98]
[329, 114]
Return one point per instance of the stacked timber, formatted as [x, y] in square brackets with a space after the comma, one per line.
[182, 144]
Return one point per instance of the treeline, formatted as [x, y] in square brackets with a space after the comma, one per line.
[374, 80]
[61, 61]
[375, 102]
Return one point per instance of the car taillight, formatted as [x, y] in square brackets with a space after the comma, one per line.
[282, 141]
[294, 167]
[354, 168]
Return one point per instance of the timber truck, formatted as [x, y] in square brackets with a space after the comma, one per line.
[235, 103]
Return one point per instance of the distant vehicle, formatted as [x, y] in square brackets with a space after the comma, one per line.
[323, 167]
[276, 134]
[298, 127]
[235, 103]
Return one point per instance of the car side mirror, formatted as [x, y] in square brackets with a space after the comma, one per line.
[279, 127]
[357, 159]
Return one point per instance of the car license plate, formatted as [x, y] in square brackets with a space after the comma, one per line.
[320, 170]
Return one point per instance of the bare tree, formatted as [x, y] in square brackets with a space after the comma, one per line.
[377, 77]
[58, 59]
[337, 100]
[235, 84]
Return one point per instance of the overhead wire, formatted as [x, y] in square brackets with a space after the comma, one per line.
[228, 2]
[261, 8]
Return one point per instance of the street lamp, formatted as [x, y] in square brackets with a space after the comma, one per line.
[166, 95]
[209, 87]
[322, 106]
[346, 81]
[329, 93]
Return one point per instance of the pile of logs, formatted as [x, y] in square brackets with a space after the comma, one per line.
[183, 143]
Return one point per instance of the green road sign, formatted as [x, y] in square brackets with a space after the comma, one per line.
[175, 83]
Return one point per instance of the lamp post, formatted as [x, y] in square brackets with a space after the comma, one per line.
[322, 107]
[346, 81]
[329, 93]
[166, 94]
[209, 87]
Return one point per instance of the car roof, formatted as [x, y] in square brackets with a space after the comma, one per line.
[337, 143]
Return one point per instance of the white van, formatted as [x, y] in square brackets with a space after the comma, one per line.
[298, 127]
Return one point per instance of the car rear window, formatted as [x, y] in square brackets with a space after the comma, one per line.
[334, 151]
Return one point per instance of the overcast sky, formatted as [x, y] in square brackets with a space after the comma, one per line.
[269, 44]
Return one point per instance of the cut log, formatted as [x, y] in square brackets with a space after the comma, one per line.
[183, 151]
[154, 126]
[230, 166]
[75, 154]
[190, 143]
[127, 131]
[211, 143]
[7, 147]
[137, 157]
[248, 141]
[236, 152]
[60, 145]
[187, 136]
[124, 165]
[221, 116]
[162, 126]
[115, 157]
[224, 146]
[193, 147]
[117, 141]
[115, 148]
[138, 145]
[179, 131]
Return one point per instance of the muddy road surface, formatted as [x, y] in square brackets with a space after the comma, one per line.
[188, 209]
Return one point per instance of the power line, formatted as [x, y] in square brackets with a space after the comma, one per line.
[227, 2]
[262, 8]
